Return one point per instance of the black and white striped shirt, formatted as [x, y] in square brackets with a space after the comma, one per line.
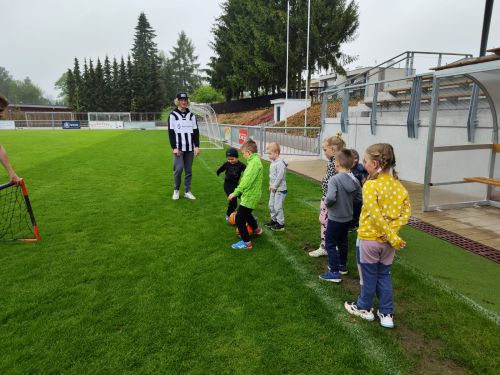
[183, 130]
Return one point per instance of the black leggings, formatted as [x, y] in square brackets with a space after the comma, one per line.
[243, 217]
[231, 206]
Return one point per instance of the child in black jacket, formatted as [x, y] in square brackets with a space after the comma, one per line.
[234, 169]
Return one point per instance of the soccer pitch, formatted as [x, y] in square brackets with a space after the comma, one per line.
[125, 280]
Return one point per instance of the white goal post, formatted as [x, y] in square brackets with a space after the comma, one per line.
[209, 127]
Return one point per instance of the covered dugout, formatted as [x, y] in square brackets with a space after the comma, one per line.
[462, 163]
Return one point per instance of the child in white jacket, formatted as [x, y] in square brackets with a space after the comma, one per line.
[277, 188]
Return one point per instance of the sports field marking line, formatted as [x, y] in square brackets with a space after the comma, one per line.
[488, 314]
[371, 349]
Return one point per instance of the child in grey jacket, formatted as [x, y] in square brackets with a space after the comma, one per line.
[343, 191]
[277, 187]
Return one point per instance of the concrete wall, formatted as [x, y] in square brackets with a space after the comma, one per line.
[288, 108]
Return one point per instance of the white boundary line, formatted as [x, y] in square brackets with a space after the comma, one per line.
[371, 348]
[488, 314]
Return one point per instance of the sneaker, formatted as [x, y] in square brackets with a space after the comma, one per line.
[278, 227]
[270, 224]
[355, 310]
[242, 245]
[334, 277]
[319, 252]
[175, 196]
[189, 195]
[386, 320]
[258, 231]
[343, 269]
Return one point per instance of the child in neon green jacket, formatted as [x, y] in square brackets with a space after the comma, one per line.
[250, 190]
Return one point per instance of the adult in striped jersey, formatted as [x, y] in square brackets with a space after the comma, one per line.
[185, 142]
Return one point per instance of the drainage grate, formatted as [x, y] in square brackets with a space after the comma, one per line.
[463, 242]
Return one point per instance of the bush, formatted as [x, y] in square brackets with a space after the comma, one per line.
[206, 94]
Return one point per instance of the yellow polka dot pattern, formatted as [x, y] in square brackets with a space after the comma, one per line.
[386, 208]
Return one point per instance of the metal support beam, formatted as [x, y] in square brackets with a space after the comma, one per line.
[472, 116]
[344, 116]
[373, 114]
[430, 143]
[413, 119]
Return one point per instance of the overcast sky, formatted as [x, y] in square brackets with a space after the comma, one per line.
[41, 38]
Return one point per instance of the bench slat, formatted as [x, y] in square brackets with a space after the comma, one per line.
[484, 180]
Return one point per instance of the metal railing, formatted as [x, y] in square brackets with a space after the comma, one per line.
[292, 140]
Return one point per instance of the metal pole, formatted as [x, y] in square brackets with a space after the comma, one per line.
[307, 63]
[287, 44]
[488, 8]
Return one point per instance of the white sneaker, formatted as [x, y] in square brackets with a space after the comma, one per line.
[189, 195]
[355, 310]
[386, 320]
[319, 252]
[175, 196]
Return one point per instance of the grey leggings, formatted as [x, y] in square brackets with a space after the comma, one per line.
[183, 162]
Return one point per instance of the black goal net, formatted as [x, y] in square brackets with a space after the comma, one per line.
[17, 221]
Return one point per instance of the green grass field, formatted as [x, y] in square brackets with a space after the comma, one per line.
[125, 280]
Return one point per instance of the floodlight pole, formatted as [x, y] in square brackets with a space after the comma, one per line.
[307, 63]
[488, 9]
[287, 44]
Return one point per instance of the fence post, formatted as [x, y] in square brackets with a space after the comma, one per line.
[261, 130]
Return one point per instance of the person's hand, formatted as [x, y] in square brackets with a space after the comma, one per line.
[176, 152]
[196, 151]
[272, 190]
[14, 178]
[402, 245]
[230, 197]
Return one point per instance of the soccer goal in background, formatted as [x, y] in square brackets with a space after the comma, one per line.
[209, 128]
[17, 221]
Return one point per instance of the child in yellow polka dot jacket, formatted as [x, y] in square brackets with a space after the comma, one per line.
[386, 208]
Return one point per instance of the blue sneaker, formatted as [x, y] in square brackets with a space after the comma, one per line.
[242, 245]
[333, 277]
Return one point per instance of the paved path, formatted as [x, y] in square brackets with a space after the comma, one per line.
[481, 224]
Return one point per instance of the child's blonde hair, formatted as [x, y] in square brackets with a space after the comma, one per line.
[345, 158]
[383, 154]
[249, 146]
[176, 102]
[335, 140]
[274, 147]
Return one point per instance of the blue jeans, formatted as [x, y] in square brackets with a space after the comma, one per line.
[375, 261]
[336, 243]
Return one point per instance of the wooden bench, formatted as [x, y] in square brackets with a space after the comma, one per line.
[485, 180]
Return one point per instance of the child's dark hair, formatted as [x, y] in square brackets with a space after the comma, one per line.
[250, 146]
[383, 154]
[355, 154]
[345, 158]
[4, 103]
